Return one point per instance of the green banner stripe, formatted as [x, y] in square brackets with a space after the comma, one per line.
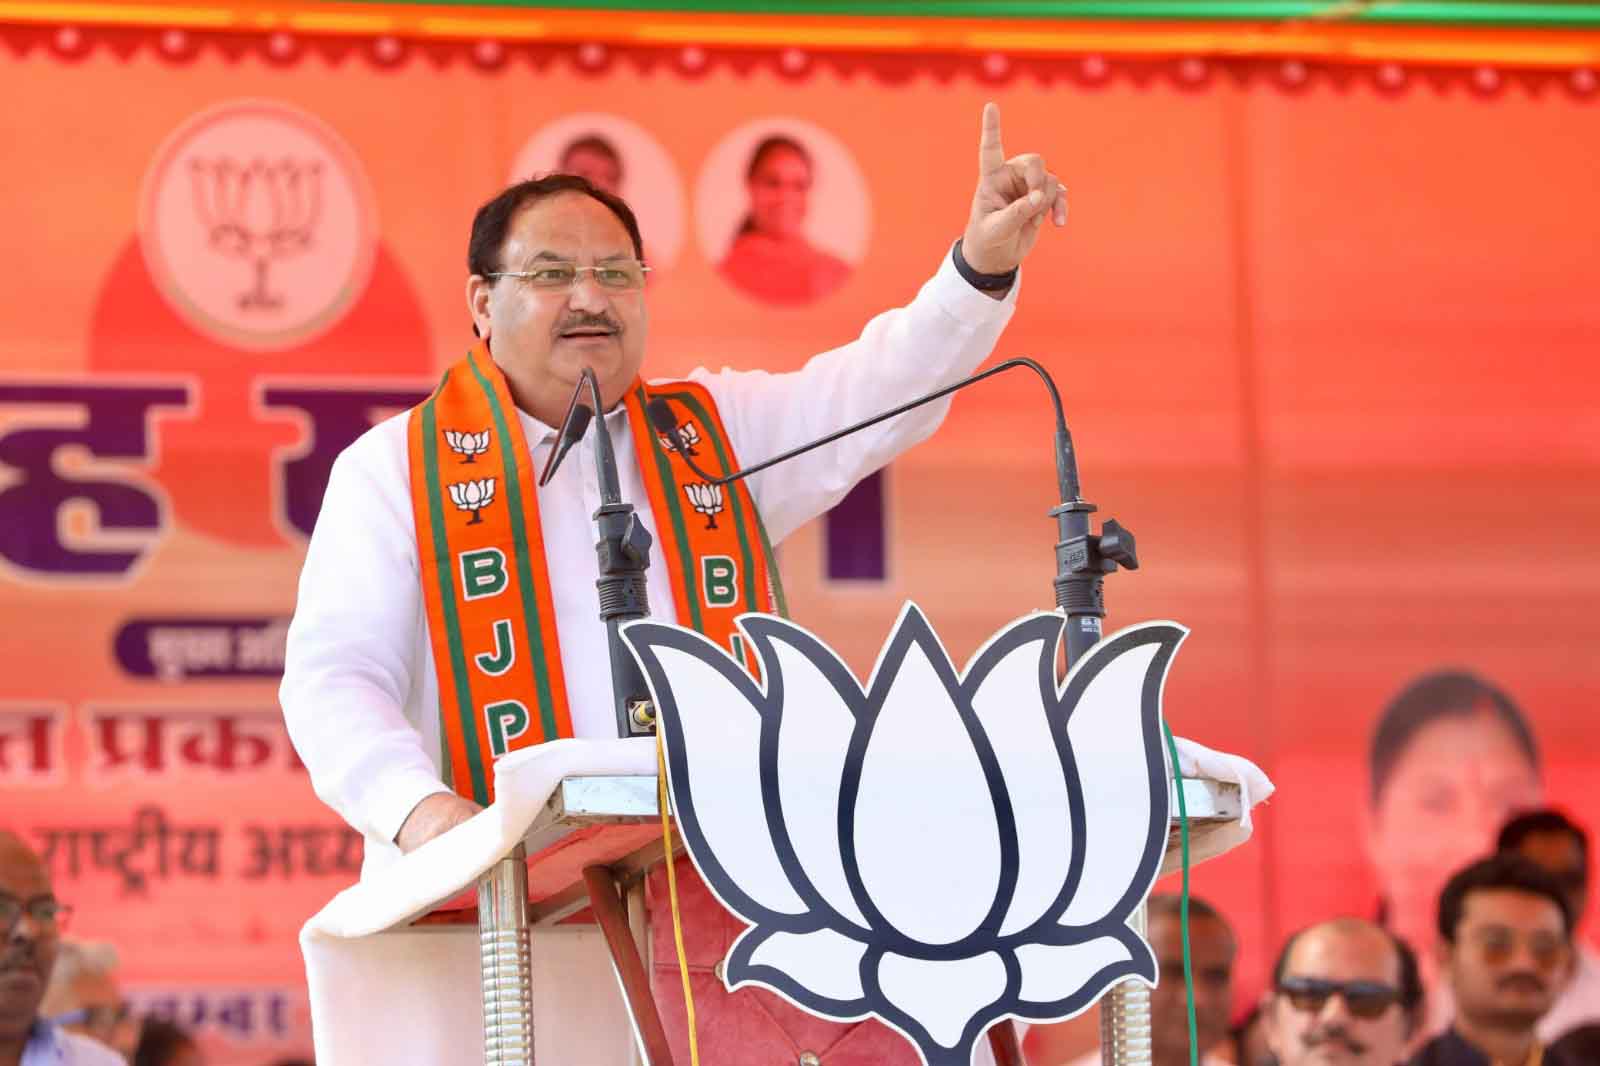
[689, 400]
[1553, 14]
[509, 447]
[447, 596]
[686, 561]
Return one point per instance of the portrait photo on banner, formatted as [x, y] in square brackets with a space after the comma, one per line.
[621, 157]
[782, 210]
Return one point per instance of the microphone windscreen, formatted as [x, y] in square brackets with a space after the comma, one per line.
[661, 416]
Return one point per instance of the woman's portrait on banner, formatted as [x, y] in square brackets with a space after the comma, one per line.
[792, 233]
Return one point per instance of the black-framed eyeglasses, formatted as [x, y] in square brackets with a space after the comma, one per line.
[47, 914]
[1364, 999]
[558, 275]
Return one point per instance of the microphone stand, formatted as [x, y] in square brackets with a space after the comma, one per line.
[1083, 558]
[623, 550]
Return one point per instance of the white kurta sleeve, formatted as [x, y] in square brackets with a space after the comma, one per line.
[941, 336]
[352, 644]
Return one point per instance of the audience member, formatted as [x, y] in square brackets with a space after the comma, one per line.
[162, 1043]
[1505, 947]
[1552, 841]
[84, 995]
[1249, 1034]
[1452, 758]
[1212, 948]
[1343, 991]
[31, 917]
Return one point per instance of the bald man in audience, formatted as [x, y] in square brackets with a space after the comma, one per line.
[30, 916]
[1345, 992]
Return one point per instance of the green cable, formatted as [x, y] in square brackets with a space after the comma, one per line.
[1183, 839]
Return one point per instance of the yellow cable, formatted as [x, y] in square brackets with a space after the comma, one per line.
[672, 895]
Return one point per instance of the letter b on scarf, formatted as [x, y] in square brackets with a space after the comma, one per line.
[483, 573]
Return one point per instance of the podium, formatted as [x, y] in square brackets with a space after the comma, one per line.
[592, 845]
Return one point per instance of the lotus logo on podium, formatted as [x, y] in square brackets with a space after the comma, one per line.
[256, 225]
[940, 849]
[259, 212]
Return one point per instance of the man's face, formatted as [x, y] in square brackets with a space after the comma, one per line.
[1559, 853]
[1305, 1032]
[1457, 782]
[1510, 959]
[780, 189]
[543, 340]
[1211, 951]
[29, 951]
[601, 168]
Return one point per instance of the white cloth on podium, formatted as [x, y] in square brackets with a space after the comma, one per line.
[415, 995]
[1207, 840]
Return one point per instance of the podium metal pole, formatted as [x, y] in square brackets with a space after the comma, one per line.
[1125, 1015]
[503, 940]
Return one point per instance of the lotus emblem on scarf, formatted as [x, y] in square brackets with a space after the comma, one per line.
[940, 849]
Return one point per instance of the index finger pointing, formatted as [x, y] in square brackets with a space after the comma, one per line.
[991, 156]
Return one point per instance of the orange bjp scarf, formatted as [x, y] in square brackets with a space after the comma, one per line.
[485, 584]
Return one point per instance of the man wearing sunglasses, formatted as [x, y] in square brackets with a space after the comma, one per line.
[1505, 930]
[1345, 991]
[1554, 842]
[31, 919]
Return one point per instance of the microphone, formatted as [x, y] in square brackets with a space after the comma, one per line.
[623, 551]
[1083, 559]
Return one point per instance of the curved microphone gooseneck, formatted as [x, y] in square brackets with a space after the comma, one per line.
[1082, 557]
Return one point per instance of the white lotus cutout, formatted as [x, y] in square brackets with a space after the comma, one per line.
[941, 849]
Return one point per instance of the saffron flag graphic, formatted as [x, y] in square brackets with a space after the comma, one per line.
[939, 849]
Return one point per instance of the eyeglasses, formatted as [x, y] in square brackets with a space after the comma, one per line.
[1365, 999]
[618, 275]
[47, 915]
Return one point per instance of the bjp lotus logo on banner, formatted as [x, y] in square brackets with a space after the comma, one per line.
[256, 223]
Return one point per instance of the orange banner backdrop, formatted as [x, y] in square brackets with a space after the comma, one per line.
[1327, 346]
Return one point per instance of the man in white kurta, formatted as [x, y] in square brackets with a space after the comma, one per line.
[360, 693]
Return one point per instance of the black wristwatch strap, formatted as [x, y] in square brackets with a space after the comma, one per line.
[981, 282]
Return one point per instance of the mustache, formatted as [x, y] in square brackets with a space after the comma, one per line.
[1520, 980]
[23, 957]
[1334, 1034]
[588, 321]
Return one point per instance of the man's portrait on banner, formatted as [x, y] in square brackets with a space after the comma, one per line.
[621, 157]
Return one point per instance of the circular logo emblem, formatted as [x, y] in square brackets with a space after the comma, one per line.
[256, 223]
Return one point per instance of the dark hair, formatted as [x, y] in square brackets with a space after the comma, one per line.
[493, 220]
[768, 145]
[159, 1042]
[1546, 820]
[1576, 1045]
[593, 142]
[1501, 871]
[1442, 694]
[1410, 977]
